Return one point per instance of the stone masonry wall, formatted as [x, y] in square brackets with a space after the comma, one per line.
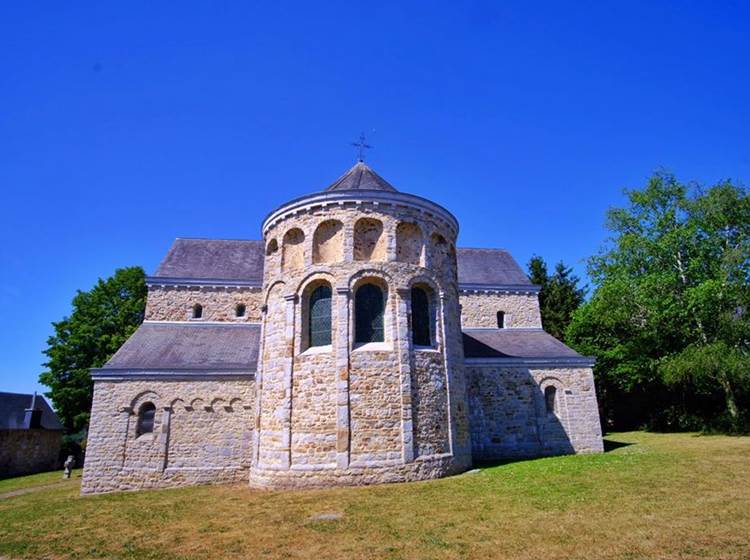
[175, 303]
[28, 451]
[345, 413]
[480, 310]
[509, 417]
[202, 434]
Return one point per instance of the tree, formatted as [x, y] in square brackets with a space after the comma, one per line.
[559, 297]
[670, 299]
[101, 320]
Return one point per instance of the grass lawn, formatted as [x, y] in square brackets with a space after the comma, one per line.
[651, 496]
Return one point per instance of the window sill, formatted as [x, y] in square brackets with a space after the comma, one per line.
[327, 349]
[372, 347]
[419, 348]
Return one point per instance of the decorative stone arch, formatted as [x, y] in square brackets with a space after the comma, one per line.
[234, 404]
[174, 402]
[271, 288]
[272, 247]
[293, 250]
[442, 254]
[550, 423]
[328, 242]
[409, 243]
[217, 402]
[370, 243]
[144, 397]
[196, 404]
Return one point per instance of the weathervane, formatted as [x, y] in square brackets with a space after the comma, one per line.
[362, 146]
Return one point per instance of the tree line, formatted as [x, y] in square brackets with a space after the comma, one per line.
[667, 316]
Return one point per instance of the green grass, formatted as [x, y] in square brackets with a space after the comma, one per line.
[659, 496]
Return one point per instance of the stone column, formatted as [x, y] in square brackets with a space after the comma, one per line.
[404, 347]
[259, 385]
[389, 230]
[126, 413]
[343, 436]
[286, 436]
[348, 242]
[448, 363]
[166, 418]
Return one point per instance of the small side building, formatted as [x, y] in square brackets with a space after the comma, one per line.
[30, 435]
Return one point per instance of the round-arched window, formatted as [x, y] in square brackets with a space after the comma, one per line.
[550, 394]
[369, 308]
[146, 415]
[319, 316]
[420, 317]
[197, 311]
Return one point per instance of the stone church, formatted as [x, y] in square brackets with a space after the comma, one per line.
[353, 344]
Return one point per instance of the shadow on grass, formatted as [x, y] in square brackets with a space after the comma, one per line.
[611, 445]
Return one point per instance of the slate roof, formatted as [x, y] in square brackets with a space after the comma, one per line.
[361, 178]
[219, 259]
[489, 267]
[514, 343]
[189, 346]
[13, 411]
[242, 260]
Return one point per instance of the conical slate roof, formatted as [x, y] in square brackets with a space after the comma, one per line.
[361, 178]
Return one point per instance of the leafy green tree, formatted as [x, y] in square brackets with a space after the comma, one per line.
[559, 297]
[102, 319]
[671, 290]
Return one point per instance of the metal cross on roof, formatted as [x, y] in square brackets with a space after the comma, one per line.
[362, 146]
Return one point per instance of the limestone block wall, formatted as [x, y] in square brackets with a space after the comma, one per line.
[480, 310]
[352, 413]
[175, 303]
[202, 434]
[29, 451]
[510, 418]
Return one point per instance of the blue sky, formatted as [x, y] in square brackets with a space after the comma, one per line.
[124, 125]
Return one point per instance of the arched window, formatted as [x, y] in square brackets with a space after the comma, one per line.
[550, 392]
[319, 316]
[145, 419]
[501, 319]
[197, 311]
[240, 310]
[369, 307]
[420, 317]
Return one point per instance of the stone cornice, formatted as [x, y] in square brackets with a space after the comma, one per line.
[194, 374]
[528, 289]
[338, 198]
[567, 361]
[201, 282]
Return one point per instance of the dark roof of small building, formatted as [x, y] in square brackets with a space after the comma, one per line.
[242, 260]
[514, 343]
[361, 178]
[489, 267]
[13, 411]
[189, 346]
[221, 259]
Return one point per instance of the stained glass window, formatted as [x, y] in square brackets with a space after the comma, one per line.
[320, 316]
[369, 308]
[420, 317]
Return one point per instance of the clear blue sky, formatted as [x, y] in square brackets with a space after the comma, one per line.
[124, 125]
